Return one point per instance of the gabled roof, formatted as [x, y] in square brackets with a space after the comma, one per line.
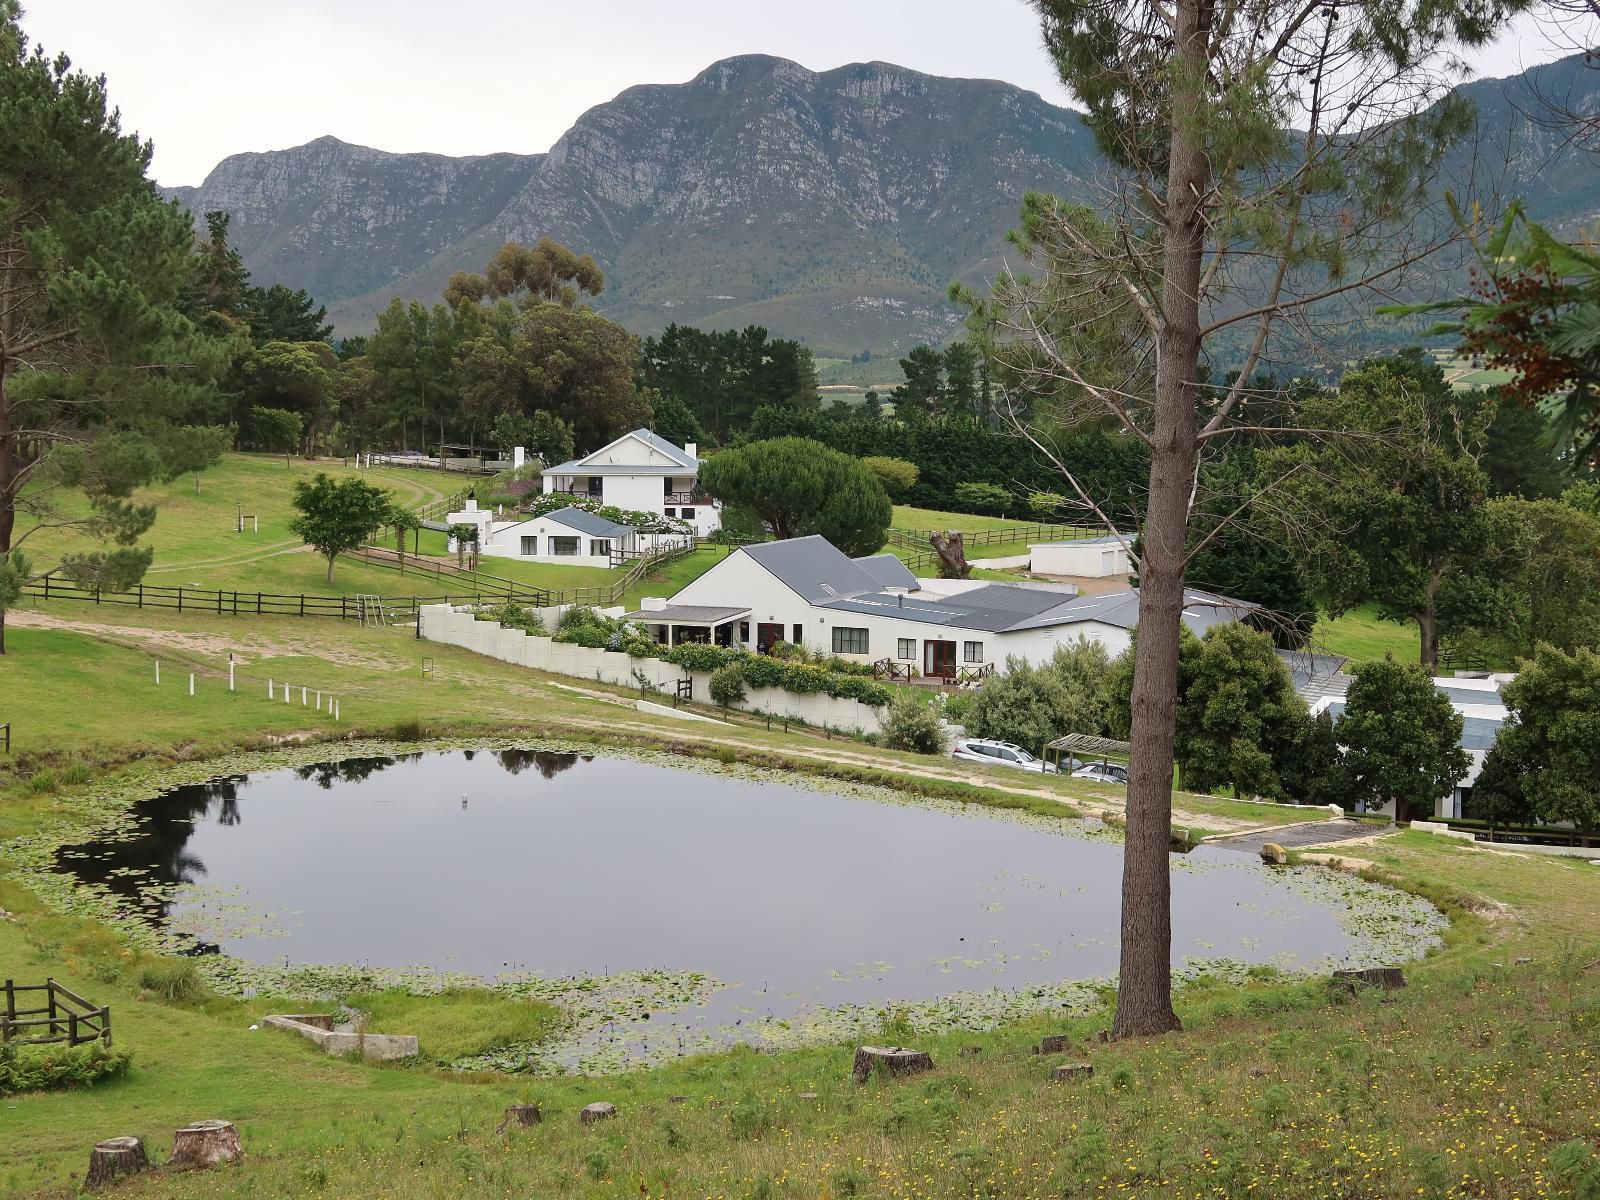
[682, 462]
[585, 522]
[814, 568]
[1009, 608]
[889, 571]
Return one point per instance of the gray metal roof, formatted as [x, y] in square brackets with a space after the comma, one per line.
[814, 568]
[691, 614]
[1006, 608]
[888, 570]
[686, 463]
[587, 522]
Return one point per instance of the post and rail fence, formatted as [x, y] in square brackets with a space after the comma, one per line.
[65, 1017]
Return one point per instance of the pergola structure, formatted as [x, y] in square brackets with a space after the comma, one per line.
[675, 624]
[1085, 746]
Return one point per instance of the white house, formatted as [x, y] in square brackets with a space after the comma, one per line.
[1087, 558]
[1482, 713]
[567, 535]
[640, 472]
[871, 609]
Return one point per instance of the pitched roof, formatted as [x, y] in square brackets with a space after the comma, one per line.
[813, 568]
[697, 614]
[586, 522]
[1009, 608]
[683, 463]
[888, 570]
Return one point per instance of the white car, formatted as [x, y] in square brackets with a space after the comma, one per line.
[1103, 772]
[1003, 754]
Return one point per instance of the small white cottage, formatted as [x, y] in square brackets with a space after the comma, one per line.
[568, 535]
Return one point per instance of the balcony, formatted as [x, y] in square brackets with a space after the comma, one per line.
[689, 498]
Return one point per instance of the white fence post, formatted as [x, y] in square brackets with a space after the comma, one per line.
[191, 683]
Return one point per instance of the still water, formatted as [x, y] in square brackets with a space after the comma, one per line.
[497, 863]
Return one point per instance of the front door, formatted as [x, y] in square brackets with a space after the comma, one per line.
[939, 659]
[767, 636]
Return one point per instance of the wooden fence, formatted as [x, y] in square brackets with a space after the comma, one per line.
[65, 1017]
[917, 539]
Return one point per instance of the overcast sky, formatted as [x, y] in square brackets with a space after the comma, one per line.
[207, 78]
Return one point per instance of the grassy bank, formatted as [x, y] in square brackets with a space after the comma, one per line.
[1478, 1080]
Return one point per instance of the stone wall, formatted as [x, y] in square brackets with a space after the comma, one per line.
[459, 627]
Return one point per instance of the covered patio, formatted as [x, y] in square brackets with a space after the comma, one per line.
[675, 624]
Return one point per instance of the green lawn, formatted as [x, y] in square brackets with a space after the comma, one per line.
[1361, 635]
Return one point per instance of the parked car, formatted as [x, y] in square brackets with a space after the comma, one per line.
[1004, 754]
[1103, 772]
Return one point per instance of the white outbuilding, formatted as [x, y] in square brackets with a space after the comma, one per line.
[1088, 558]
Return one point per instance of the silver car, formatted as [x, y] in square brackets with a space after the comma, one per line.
[1103, 772]
[999, 754]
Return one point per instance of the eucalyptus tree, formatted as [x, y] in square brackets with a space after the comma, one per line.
[1267, 158]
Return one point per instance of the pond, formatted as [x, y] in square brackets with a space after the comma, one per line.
[686, 906]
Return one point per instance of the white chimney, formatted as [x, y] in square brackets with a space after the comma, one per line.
[472, 504]
[689, 448]
[652, 603]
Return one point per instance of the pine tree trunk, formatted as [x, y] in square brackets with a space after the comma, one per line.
[1144, 988]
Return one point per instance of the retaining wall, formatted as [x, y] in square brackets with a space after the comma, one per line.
[459, 627]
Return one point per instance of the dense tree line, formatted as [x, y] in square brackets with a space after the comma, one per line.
[723, 376]
[956, 450]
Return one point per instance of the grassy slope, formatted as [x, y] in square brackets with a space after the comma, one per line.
[197, 546]
[1361, 635]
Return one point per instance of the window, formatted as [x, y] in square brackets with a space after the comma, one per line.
[530, 545]
[686, 513]
[906, 648]
[799, 632]
[849, 641]
[744, 631]
[596, 485]
[599, 546]
[670, 512]
[564, 547]
[972, 652]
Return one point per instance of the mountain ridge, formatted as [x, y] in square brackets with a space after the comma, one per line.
[832, 206]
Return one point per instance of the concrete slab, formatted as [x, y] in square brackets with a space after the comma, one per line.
[1292, 837]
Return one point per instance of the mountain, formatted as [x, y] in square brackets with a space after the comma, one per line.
[830, 206]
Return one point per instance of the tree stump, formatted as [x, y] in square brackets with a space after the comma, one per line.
[890, 1060]
[1067, 1072]
[952, 552]
[205, 1144]
[524, 1115]
[1386, 978]
[115, 1157]
[1053, 1043]
[600, 1111]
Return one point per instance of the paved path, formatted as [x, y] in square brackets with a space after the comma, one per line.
[1294, 837]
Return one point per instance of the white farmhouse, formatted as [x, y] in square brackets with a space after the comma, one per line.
[568, 535]
[1087, 558]
[804, 590]
[640, 472]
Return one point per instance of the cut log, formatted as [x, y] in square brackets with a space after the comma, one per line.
[952, 552]
[1386, 978]
[600, 1111]
[1068, 1072]
[1054, 1043]
[523, 1115]
[205, 1144]
[890, 1060]
[113, 1158]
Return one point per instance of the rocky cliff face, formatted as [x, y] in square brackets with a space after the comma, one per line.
[832, 206]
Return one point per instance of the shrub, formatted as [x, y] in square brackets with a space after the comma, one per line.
[761, 671]
[43, 781]
[513, 616]
[407, 729]
[699, 656]
[984, 498]
[727, 685]
[895, 474]
[579, 616]
[957, 705]
[911, 724]
[173, 979]
[75, 773]
[43, 1068]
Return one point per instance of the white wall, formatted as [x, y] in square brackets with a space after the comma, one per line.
[505, 541]
[459, 627]
[738, 581]
[1090, 560]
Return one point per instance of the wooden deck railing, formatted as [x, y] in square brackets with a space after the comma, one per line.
[65, 1017]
